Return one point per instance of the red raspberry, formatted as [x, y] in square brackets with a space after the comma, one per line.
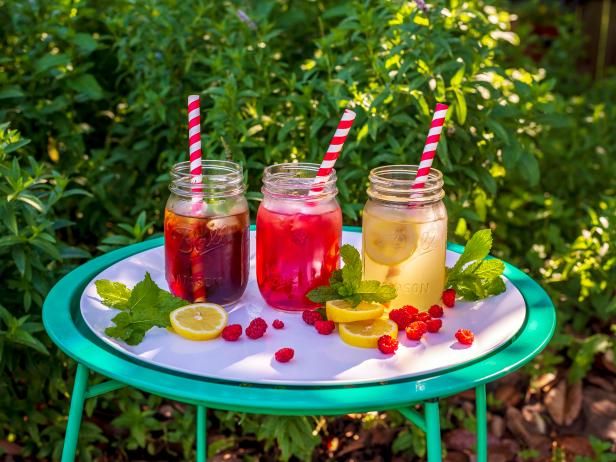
[449, 298]
[325, 327]
[436, 311]
[411, 310]
[310, 317]
[434, 325]
[284, 355]
[416, 330]
[232, 332]
[400, 317]
[278, 324]
[256, 329]
[423, 316]
[465, 336]
[387, 344]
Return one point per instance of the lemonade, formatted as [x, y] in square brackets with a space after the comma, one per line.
[405, 237]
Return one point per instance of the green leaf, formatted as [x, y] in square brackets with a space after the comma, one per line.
[490, 269]
[12, 91]
[477, 248]
[460, 107]
[498, 130]
[86, 85]
[113, 294]
[323, 294]
[457, 78]
[51, 61]
[147, 306]
[351, 271]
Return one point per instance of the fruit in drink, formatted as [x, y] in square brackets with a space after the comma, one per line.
[298, 248]
[405, 246]
[207, 254]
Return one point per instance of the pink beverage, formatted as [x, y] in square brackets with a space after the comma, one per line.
[298, 238]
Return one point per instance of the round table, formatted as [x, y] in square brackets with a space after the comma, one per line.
[66, 327]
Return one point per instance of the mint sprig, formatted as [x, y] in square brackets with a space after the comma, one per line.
[347, 284]
[143, 307]
[473, 277]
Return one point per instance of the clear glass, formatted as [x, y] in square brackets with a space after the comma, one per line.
[405, 235]
[298, 235]
[207, 234]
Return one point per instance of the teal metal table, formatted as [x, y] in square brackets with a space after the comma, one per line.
[65, 326]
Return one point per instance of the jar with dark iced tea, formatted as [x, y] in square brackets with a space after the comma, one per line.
[207, 233]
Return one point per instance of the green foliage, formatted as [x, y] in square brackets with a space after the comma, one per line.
[98, 91]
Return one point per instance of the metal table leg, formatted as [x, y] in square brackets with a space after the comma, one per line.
[482, 423]
[75, 413]
[201, 434]
[433, 430]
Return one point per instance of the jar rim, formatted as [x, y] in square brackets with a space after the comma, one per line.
[393, 183]
[296, 181]
[219, 179]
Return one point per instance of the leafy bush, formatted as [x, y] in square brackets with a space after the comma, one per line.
[99, 91]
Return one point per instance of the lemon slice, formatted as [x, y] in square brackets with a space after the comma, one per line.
[365, 334]
[389, 242]
[342, 311]
[199, 321]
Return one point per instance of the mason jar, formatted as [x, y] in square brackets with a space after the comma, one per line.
[207, 233]
[298, 235]
[405, 235]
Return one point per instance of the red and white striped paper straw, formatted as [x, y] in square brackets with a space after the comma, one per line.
[196, 177]
[429, 151]
[194, 141]
[333, 151]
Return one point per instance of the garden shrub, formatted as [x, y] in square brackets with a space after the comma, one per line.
[100, 91]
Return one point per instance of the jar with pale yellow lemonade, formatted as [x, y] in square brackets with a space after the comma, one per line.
[405, 235]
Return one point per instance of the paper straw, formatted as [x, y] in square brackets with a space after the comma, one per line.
[196, 177]
[194, 143]
[429, 151]
[333, 151]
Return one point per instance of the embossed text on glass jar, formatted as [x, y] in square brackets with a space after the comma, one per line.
[405, 235]
[298, 237]
[207, 234]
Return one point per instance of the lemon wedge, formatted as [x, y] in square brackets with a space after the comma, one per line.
[199, 321]
[365, 334]
[343, 311]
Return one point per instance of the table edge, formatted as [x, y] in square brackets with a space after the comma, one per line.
[268, 398]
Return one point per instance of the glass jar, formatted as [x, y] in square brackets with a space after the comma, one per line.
[298, 236]
[405, 235]
[207, 233]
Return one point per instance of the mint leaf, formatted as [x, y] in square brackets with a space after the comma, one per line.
[351, 271]
[323, 294]
[113, 294]
[477, 248]
[147, 306]
[347, 284]
[473, 277]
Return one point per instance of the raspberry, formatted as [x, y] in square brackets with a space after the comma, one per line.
[436, 311]
[310, 317]
[277, 324]
[387, 344]
[256, 329]
[232, 332]
[401, 317]
[465, 336]
[411, 310]
[416, 330]
[434, 325]
[423, 316]
[325, 327]
[449, 298]
[284, 355]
